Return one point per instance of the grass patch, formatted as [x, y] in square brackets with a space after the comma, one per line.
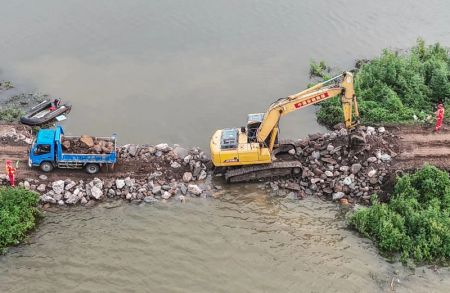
[18, 215]
[11, 114]
[396, 87]
[416, 221]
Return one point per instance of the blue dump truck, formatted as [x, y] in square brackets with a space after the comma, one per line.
[52, 148]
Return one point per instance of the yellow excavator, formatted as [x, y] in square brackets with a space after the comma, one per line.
[249, 153]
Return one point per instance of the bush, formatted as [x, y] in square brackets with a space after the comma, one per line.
[416, 221]
[18, 215]
[394, 87]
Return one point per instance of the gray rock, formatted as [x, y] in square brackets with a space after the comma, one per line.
[187, 177]
[70, 185]
[156, 189]
[338, 195]
[175, 165]
[111, 192]
[370, 130]
[194, 189]
[315, 155]
[329, 173]
[183, 188]
[72, 199]
[26, 185]
[187, 159]
[181, 152]
[150, 199]
[163, 147]
[330, 147]
[47, 199]
[356, 168]
[347, 180]
[61, 202]
[372, 173]
[202, 175]
[372, 159]
[166, 195]
[385, 157]
[41, 187]
[84, 200]
[120, 183]
[381, 129]
[96, 192]
[129, 182]
[58, 186]
[132, 150]
[344, 168]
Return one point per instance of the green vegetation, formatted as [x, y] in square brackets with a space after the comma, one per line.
[416, 221]
[394, 87]
[10, 114]
[18, 215]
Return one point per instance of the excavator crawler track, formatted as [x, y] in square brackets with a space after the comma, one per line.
[258, 172]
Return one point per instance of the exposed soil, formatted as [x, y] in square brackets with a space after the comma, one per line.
[418, 145]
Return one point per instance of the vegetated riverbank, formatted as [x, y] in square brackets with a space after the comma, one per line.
[415, 222]
[18, 215]
[397, 87]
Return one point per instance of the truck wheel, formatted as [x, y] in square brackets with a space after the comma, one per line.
[92, 168]
[46, 167]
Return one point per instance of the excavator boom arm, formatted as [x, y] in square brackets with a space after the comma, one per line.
[311, 96]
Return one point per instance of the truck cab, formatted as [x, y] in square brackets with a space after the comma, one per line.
[42, 152]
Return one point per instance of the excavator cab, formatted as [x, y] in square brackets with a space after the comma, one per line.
[253, 123]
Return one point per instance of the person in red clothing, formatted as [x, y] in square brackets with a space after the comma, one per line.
[439, 117]
[55, 104]
[10, 171]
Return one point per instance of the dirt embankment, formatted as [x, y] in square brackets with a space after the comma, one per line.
[163, 171]
[418, 145]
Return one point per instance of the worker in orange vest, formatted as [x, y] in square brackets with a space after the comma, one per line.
[439, 117]
[10, 171]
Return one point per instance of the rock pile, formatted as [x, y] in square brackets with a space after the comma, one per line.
[19, 135]
[168, 162]
[332, 170]
[169, 173]
[88, 145]
[149, 190]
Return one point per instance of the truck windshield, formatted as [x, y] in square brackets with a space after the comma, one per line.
[42, 149]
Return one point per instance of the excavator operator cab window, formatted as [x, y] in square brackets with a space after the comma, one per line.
[229, 139]
[254, 121]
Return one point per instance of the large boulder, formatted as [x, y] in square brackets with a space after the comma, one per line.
[187, 176]
[181, 152]
[87, 141]
[58, 186]
[194, 189]
[96, 192]
[356, 168]
[120, 183]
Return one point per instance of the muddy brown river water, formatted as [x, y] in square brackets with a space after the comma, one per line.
[174, 71]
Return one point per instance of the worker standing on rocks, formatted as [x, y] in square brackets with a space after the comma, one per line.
[439, 117]
[10, 171]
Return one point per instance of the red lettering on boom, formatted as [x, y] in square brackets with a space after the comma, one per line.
[311, 100]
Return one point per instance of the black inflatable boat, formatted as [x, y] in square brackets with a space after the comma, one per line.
[45, 112]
